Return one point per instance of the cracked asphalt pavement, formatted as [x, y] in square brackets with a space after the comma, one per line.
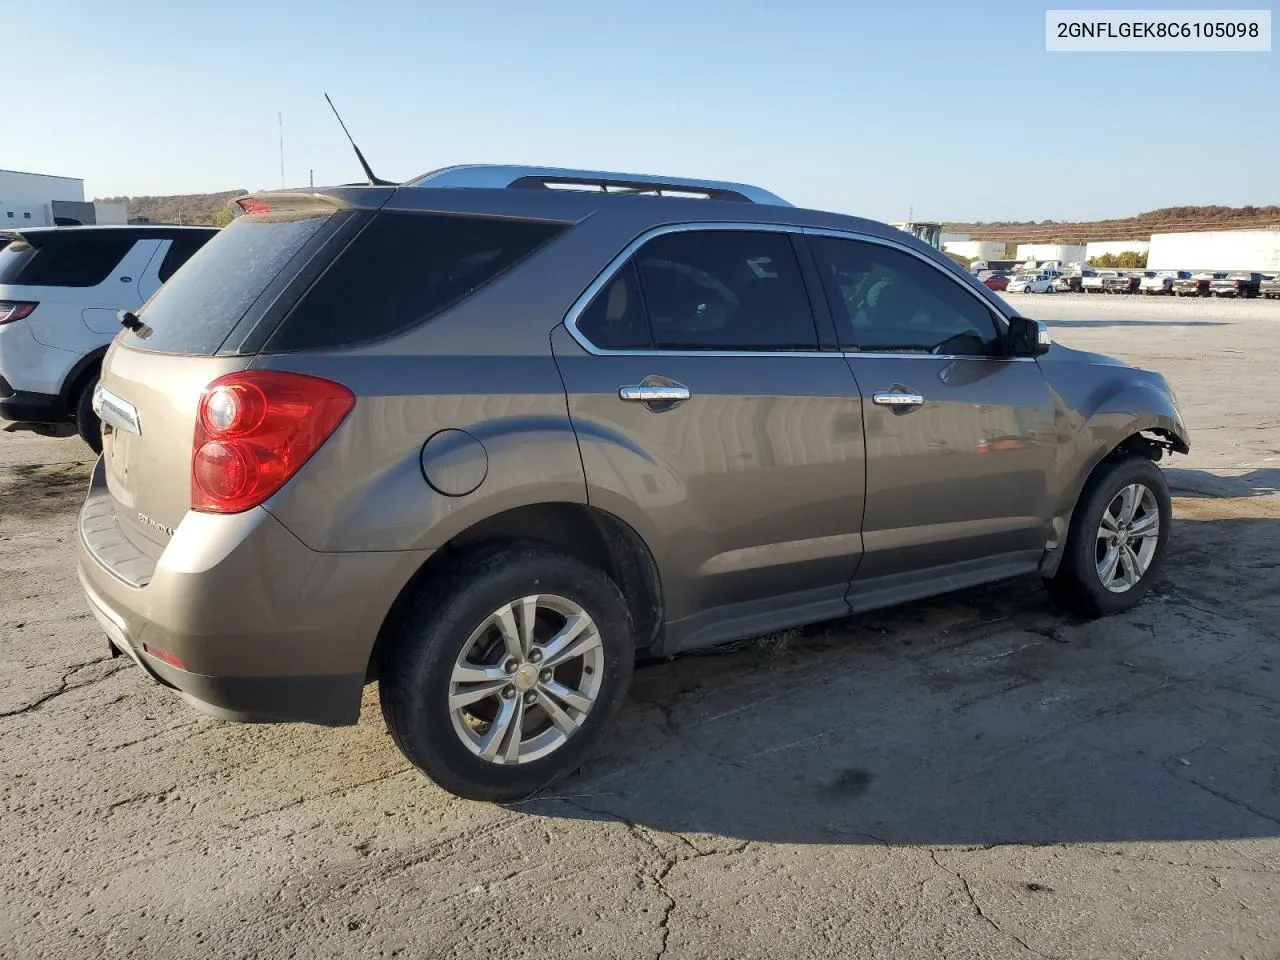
[973, 776]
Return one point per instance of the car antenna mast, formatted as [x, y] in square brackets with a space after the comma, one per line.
[374, 181]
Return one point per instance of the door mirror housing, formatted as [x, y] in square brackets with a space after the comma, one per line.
[1028, 338]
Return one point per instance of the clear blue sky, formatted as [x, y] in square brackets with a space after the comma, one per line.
[953, 108]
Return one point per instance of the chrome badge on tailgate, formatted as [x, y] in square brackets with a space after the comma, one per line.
[111, 409]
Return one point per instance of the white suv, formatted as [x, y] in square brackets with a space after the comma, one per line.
[60, 290]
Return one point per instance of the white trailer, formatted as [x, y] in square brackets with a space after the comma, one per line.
[1039, 252]
[1243, 250]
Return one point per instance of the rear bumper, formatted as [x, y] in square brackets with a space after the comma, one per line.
[242, 619]
[328, 701]
[23, 406]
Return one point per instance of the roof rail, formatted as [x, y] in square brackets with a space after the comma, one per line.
[501, 177]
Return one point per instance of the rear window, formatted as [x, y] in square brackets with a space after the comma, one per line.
[63, 259]
[195, 311]
[402, 269]
[180, 251]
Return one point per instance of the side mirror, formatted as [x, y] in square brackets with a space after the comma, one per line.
[1028, 338]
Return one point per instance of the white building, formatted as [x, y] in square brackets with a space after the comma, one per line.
[1216, 250]
[1040, 252]
[975, 249]
[39, 200]
[1102, 248]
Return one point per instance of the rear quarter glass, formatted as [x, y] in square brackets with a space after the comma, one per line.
[402, 269]
[199, 307]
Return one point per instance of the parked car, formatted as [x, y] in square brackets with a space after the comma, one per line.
[1240, 285]
[1071, 282]
[995, 279]
[1270, 288]
[60, 291]
[1031, 283]
[1093, 284]
[1197, 285]
[424, 434]
[1160, 282]
[1120, 282]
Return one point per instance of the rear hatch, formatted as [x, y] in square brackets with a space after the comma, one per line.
[208, 320]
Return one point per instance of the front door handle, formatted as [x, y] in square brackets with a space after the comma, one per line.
[894, 398]
[654, 393]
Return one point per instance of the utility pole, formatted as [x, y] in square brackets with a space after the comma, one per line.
[313, 179]
[280, 121]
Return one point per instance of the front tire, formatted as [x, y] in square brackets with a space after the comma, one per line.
[87, 423]
[506, 671]
[1117, 541]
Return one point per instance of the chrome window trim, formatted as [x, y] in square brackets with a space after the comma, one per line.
[617, 263]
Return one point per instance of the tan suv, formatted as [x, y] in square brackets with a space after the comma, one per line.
[486, 438]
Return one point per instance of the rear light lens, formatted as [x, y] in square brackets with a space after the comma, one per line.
[11, 310]
[162, 656]
[254, 430]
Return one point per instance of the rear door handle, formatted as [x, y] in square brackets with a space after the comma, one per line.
[893, 398]
[654, 393]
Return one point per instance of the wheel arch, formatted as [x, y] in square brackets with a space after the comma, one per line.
[86, 369]
[1150, 437]
[593, 535]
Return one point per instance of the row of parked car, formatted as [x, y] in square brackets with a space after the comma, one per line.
[1177, 283]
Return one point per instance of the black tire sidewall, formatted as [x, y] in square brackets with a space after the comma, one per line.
[1081, 564]
[414, 685]
[87, 423]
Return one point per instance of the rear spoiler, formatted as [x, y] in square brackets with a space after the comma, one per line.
[305, 201]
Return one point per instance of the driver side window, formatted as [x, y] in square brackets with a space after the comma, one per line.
[888, 301]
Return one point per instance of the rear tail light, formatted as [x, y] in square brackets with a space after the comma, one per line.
[11, 310]
[254, 430]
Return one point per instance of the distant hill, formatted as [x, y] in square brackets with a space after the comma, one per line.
[1140, 227]
[184, 208]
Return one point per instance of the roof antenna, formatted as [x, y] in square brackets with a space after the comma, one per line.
[373, 180]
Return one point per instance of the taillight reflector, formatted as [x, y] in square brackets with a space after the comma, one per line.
[254, 430]
[11, 310]
[161, 655]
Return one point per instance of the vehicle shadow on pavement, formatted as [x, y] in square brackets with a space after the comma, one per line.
[1258, 482]
[981, 718]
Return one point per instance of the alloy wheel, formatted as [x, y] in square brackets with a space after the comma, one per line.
[526, 679]
[1127, 537]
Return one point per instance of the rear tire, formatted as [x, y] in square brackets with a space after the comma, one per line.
[455, 624]
[1097, 576]
[87, 423]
